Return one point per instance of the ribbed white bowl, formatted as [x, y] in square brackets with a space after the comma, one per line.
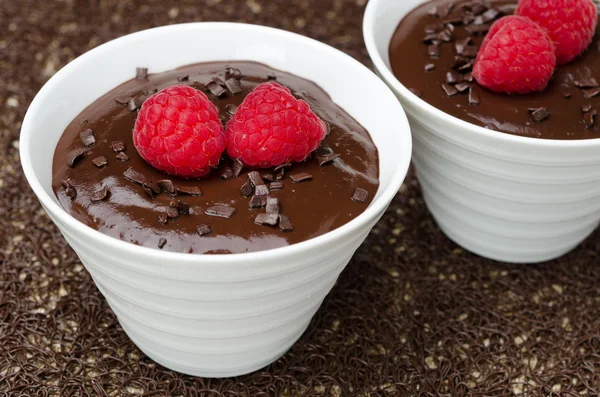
[505, 197]
[215, 315]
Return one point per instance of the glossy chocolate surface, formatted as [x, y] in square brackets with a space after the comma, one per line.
[314, 207]
[563, 100]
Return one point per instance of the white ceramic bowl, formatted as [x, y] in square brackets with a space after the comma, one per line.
[215, 315]
[505, 197]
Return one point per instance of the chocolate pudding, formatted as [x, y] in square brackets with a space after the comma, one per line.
[443, 37]
[101, 180]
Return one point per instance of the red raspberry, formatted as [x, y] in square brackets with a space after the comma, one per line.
[178, 131]
[570, 23]
[271, 128]
[516, 57]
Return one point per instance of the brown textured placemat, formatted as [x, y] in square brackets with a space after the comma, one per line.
[412, 314]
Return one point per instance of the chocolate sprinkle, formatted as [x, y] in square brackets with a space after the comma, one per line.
[429, 67]
[470, 51]
[215, 88]
[162, 242]
[123, 100]
[203, 230]
[328, 158]
[150, 92]
[477, 29]
[449, 90]
[163, 219]
[100, 161]
[226, 173]
[167, 186]
[70, 190]
[247, 189]
[586, 108]
[87, 137]
[255, 178]
[462, 87]
[74, 157]
[172, 213]
[268, 176]
[591, 92]
[220, 210]
[133, 104]
[118, 146]
[100, 195]
[434, 51]
[183, 78]
[473, 97]
[261, 190]
[539, 114]
[122, 156]
[182, 207]
[257, 201]
[141, 73]
[233, 85]
[301, 177]
[283, 166]
[272, 205]
[233, 73]
[136, 177]
[285, 225]
[267, 219]
[453, 77]
[360, 195]
[567, 95]
[278, 185]
[587, 83]
[237, 168]
[189, 190]
[230, 108]
[589, 119]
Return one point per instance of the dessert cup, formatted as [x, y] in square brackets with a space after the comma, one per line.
[214, 315]
[504, 197]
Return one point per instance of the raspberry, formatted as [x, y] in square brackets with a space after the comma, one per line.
[570, 23]
[178, 131]
[271, 128]
[516, 57]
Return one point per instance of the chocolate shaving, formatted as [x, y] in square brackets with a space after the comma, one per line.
[473, 97]
[233, 73]
[87, 137]
[433, 11]
[465, 67]
[591, 92]
[118, 146]
[237, 167]
[589, 119]
[470, 51]
[163, 219]
[226, 173]
[182, 207]
[123, 100]
[233, 85]
[283, 166]
[567, 95]
[100, 195]
[257, 201]
[70, 190]
[271, 77]
[433, 51]
[122, 156]
[453, 77]
[220, 210]
[431, 39]
[203, 230]
[491, 15]
[449, 90]
[215, 88]
[148, 191]
[141, 73]
[149, 92]
[272, 205]
[468, 77]
[586, 83]
[328, 158]
[268, 176]
[247, 189]
[301, 177]
[416, 92]
[100, 161]
[285, 225]
[267, 219]
[276, 185]
[360, 195]
[429, 67]
[586, 108]
[478, 29]
[431, 29]
[261, 190]
[189, 190]
[255, 178]
[460, 61]
[136, 177]
[230, 108]
[74, 157]
[539, 114]
[162, 242]
[183, 78]
[167, 186]
[133, 104]
[462, 87]
[172, 213]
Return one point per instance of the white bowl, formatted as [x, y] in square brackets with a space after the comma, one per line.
[215, 315]
[501, 196]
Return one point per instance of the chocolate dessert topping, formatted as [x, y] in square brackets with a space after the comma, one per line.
[237, 168]
[233, 85]
[231, 109]
[255, 178]
[123, 100]
[226, 173]
[162, 242]
[203, 230]
[453, 77]
[267, 176]
[590, 92]
[136, 177]
[189, 190]
[285, 225]
[121, 156]
[182, 207]
[185, 77]
[220, 210]
[360, 195]
[70, 190]
[172, 213]
[118, 146]
[148, 191]
[74, 156]
[141, 73]
[163, 219]
[215, 88]
[282, 166]
[586, 83]
[247, 189]
[166, 185]
[589, 118]
[134, 104]
[301, 177]
[449, 90]
[473, 97]
[257, 201]
[272, 206]
[150, 92]
[87, 137]
[462, 87]
[261, 190]
[100, 195]
[539, 114]
[327, 158]
[266, 219]
[434, 51]
[277, 185]
[233, 73]
[429, 67]
[586, 108]
[567, 94]
[100, 161]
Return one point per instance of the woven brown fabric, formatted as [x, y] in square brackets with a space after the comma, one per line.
[412, 314]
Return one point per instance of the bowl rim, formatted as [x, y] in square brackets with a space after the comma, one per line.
[179, 259]
[369, 21]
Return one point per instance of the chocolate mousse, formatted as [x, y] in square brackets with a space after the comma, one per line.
[101, 180]
[443, 38]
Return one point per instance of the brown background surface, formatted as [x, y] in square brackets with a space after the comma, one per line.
[413, 314]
